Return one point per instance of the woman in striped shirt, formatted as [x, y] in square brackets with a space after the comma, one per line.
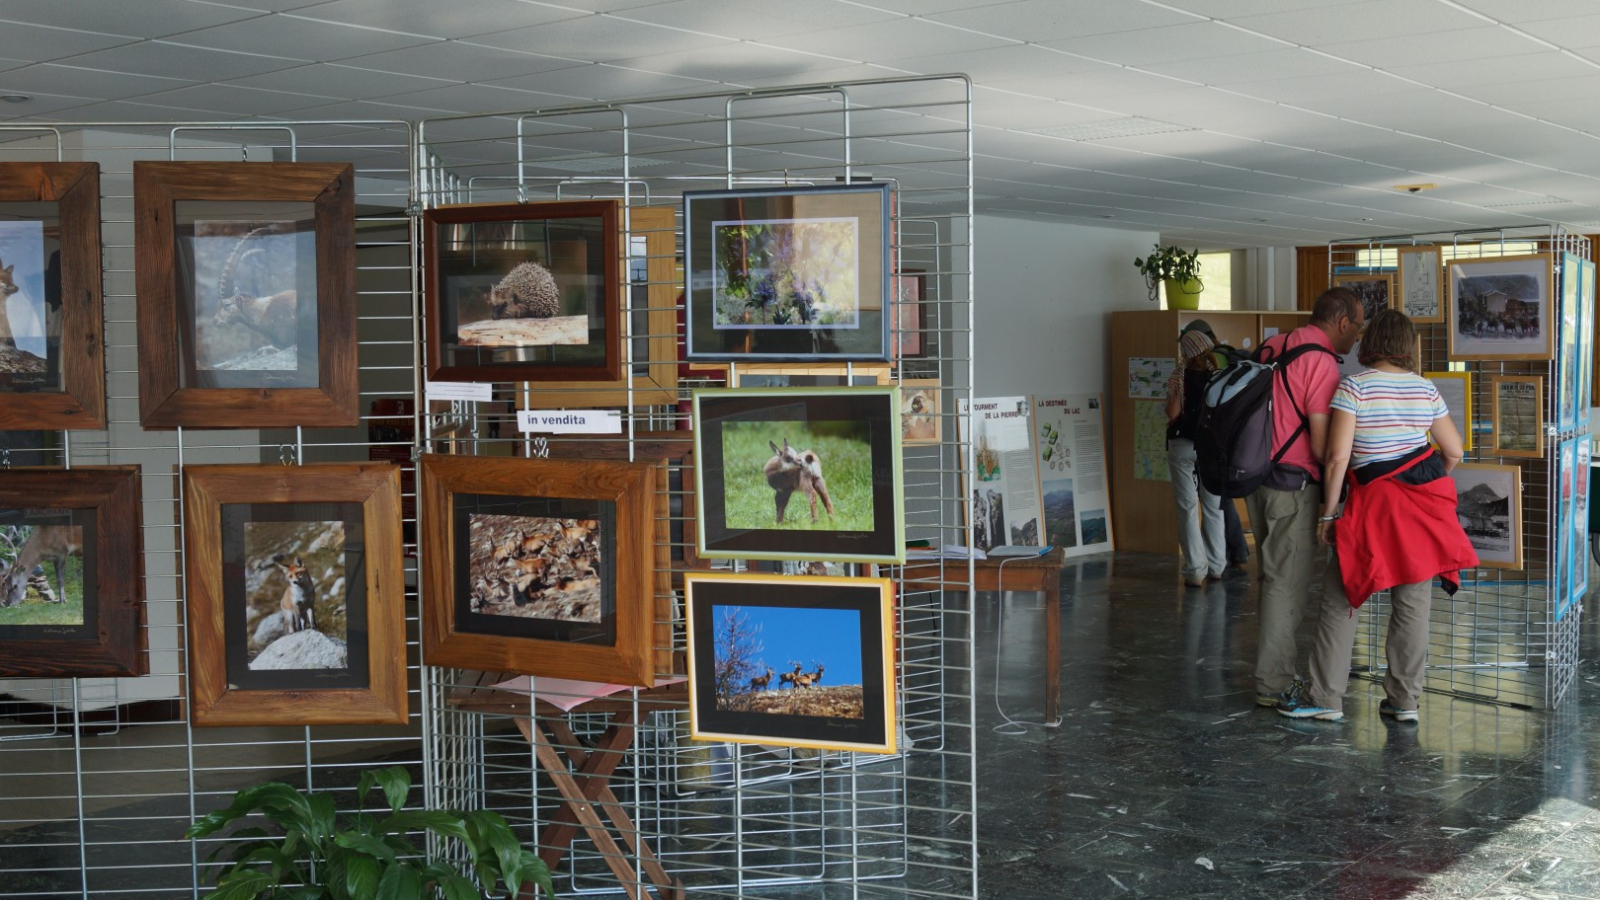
[1399, 529]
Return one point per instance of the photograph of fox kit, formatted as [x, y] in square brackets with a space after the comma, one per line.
[295, 584]
[798, 476]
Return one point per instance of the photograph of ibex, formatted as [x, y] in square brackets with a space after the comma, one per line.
[247, 302]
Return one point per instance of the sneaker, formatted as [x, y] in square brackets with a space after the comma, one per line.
[1292, 696]
[1400, 715]
[1312, 711]
[1195, 582]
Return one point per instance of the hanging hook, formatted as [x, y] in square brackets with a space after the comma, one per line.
[5, 457]
[540, 448]
[286, 454]
[244, 152]
[785, 176]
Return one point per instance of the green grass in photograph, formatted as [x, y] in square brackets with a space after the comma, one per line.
[34, 610]
[845, 452]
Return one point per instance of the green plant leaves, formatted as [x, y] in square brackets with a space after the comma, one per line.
[399, 882]
[395, 782]
[242, 884]
[361, 877]
[365, 843]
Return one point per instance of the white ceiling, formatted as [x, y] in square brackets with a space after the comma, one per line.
[1224, 123]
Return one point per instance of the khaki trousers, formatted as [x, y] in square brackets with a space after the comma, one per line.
[1406, 645]
[1285, 526]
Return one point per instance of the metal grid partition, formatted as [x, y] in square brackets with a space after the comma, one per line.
[102, 776]
[725, 819]
[1499, 639]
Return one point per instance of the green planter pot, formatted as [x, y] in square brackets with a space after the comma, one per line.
[1184, 294]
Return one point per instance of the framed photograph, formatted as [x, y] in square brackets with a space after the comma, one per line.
[1419, 288]
[50, 290]
[921, 413]
[1500, 308]
[1586, 343]
[1562, 491]
[1518, 419]
[71, 572]
[756, 375]
[524, 291]
[1567, 363]
[1376, 290]
[1579, 534]
[1455, 388]
[798, 661]
[793, 274]
[247, 294]
[1489, 504]
[909, 339]
[296, 595]
[541, 566]
[799, 474]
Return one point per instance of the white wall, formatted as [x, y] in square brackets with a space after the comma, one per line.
[1043, 291]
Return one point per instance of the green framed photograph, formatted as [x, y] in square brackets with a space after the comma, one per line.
[799, 474]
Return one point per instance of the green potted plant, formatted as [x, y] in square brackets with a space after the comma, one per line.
[1179, 269]
[322, 856]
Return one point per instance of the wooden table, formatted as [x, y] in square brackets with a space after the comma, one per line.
[1042, 573]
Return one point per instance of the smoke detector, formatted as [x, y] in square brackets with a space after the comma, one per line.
[1415, 188]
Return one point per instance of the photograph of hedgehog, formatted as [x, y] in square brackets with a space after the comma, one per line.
[524, 283]
[798, 476]
[249, 311]
[534, 567]
[786, 273]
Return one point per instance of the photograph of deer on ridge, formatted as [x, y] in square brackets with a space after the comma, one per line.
[41, 568]
[30, 305]
[248, 286]
[1500, 308]
[815, 674]
[535, 567]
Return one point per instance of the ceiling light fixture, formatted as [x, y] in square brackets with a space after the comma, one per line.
[1415, 188]
[15, 98]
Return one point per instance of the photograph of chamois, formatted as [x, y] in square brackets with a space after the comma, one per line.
[70, 586]
[544, 567]
[524, 291]
[246, 282]
[799, 474]
[795, 274]
[1500, 308]
[295, 594]
[49, 290]
[798, 661]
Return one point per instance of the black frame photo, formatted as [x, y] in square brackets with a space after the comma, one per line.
[806, 474]
[788, 274]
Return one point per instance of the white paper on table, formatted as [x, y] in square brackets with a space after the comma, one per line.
[567, 694]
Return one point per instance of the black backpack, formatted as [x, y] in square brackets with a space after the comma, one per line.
[1233, 439]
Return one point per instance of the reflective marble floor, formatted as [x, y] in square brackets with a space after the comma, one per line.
[1164, 780]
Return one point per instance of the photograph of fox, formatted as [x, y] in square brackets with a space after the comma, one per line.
[787, 660]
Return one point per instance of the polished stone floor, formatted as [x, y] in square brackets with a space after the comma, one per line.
[1164, 780]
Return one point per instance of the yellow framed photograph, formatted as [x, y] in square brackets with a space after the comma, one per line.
[1500, 308]
[1518, 415]
[1489, 504]
[1419, 284]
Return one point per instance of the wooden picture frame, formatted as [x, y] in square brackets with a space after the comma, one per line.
[921, 411]
[585, 525]
[1376, 290]
[1419, 284]
[75, 398]
[1518, 416]
[834, 244]
[538, 284]
[223, 330]
[842, 626]
[652, 325]
[295, 537]
[100, 506]
[1489, 505]
[771, 442]
[761, 375]
[1484, 326]
[910, 340]
[1455, 388]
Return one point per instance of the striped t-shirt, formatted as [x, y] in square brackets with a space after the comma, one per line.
[1393, 413]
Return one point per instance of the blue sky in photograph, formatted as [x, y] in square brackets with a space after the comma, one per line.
[807, 636]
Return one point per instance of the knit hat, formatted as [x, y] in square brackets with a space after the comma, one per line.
[1194, 343]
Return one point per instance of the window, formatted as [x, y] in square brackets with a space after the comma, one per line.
[1216, 272]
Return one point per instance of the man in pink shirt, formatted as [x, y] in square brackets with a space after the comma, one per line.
[1283, 511]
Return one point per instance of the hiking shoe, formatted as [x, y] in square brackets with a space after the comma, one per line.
[1312, 711]
[1400, 715]
[1292, 696]
[1195, 582]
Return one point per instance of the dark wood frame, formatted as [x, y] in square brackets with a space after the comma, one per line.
[75, 189]
[907, 325]
[376, 486]
[163, 403]
[611, 304]
[638, 492]
[117, 647]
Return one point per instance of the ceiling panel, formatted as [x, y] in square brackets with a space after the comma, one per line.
[1006, 63]
[38, 44]
[145, 19]
[596, 39]
[1575, 31]
[734, 62]
[1098, 89]
[345, 82]
[294, 38]
[1498, 75]
[44, 105]
[1459, 45]
[1052, 20]
[733, 18]
[884, 40]
[59, 79]
[460, 61]
[462, 98]
[1332, 24]
[603, 81]
[1245, 67]
[1518, 11]
[1233, 9]
[1310, 91]
[440, 20]
[179, 61]
[1171, 43]
[229, 100]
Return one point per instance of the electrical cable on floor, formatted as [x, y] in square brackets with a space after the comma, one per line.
[1010, 726]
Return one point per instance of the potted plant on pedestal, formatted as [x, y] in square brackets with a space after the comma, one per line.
[1179, 270]
[322, 856]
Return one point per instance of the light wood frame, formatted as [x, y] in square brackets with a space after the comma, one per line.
[879, 374]
[1495, 447]
[1514, 498]
[927, 387]
[111, 643]
[1345, 279]
[163, 401]
[1550, 318]
[1410, 258]
[81, 403]
[637, 490]
[376, 486]
[1466, 391]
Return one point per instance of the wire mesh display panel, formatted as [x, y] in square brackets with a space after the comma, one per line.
[724, 819]
[103, 775]
[1503, 637]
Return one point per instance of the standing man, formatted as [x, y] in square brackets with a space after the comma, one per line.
[1283, 511]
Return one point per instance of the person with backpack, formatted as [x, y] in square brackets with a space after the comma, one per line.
[1399, 529]
[1232, 528]
[1200, 531]
[1284, 508]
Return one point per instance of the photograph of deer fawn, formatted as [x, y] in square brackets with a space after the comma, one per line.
[798, 475]
[295, 588]
[41, 571]
[535, 567]
[250, 312]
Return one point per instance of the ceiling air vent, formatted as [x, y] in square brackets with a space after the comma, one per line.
[1536, 201]
[1106, 129]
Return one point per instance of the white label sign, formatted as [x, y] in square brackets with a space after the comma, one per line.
[460, 390]
[570, 421]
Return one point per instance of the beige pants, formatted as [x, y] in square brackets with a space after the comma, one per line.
[1406, 645]
[1285, 526]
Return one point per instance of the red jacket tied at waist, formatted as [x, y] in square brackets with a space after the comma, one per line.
[1395, 533]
